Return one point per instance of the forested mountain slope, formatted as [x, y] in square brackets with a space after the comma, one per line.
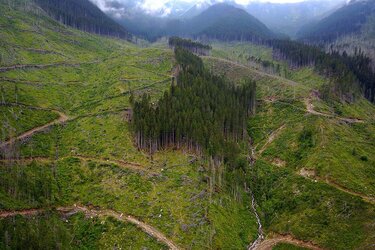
[349, 32]
[220, 21]
[288, 18]
[225, 22]
[349, 19]
[83, 15]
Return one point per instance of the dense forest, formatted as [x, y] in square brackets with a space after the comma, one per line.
[349, 74]
[192, 46]
[348, 19]
[83, 15]
[202, 112]
[362, 68]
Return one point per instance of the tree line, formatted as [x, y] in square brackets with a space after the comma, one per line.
[83, 15]
[350, 75]
[361, 66]
[201, 112]
[192, 46]
[347, 20]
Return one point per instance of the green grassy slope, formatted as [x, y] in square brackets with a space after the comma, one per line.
[314, 180]
[90, 159]
[17, 119]
[314, 174]
[76, 231]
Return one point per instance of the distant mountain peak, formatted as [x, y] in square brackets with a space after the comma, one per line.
[227, 22]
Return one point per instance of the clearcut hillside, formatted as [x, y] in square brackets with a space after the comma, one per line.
[72, 176]
[70, 172]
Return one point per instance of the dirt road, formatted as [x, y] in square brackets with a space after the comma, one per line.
[268, 244]
[62, 118]
[310, 109]
[101, 213]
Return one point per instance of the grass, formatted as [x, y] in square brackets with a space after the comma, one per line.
[311, 210]
[257, 56]
[52, 230]
[241, 51]
[172, 192]
[231, 221]
[160, 195]
[174, 201]
[337, 153]
[286, 246]
[16, 120]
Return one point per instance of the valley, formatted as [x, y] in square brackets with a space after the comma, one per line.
[72, 175]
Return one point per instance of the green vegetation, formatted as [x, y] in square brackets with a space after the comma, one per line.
[286, 246]
[161, 196]
[311, 210]
[51, 230]
[313, 177]
[254, 55]
[241, 52]
[231, 221]
[346, 20]
[95, 21]
[16, 120]
[309, 179]
[201, 112]
[188, 44]
[228, 23]
[91, 158]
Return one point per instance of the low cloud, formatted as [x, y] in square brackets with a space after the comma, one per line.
[165, 7]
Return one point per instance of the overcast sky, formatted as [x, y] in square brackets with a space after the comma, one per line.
[154, 6]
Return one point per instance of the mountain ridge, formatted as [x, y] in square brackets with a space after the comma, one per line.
[94, 20]
[226, 22]
[222, 18]
[347, 20]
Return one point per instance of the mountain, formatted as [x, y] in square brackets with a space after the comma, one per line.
[350, 29]
[288, 18]
[175, 8]
[83, 15]
[285, 18]
[220, 21]
[350, 19]
[197, 9]
[203, 5]
[226, 22]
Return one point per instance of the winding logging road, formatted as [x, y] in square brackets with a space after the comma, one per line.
[43, 66]
[310, 109]
[258, 72]
[62, 118]
[259, 244]
[99, 213]
[268, 244]
[120, 163]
